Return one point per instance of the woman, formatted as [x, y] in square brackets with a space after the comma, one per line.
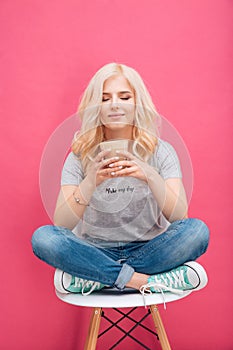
[128, 213]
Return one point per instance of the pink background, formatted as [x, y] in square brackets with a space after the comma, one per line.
[49, 51]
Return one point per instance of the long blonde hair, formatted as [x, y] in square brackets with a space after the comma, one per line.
[91, 133]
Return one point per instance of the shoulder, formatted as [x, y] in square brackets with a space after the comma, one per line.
[72, 161]
[72, 171]
[165, 160]
[164, 148]
[71, 157]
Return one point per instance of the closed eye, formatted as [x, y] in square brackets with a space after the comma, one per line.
[122, 98]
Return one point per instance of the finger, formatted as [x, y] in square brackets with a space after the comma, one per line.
[101, 155]
[124, 171]
[122, 164]
[106, 172]
[125, 154]
[106, 162]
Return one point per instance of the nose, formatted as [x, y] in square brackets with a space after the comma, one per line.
[115, 102]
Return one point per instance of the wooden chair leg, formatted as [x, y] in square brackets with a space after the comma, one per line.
[160, 328]
[93, 331]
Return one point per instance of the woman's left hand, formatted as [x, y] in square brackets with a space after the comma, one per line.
[169, 194]
[129, 166]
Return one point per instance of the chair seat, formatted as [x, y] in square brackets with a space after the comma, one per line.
[113, 298]
[116, 300]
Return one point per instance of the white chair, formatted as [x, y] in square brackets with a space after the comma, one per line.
[115, 299]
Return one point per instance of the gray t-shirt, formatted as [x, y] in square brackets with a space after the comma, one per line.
[123, 209]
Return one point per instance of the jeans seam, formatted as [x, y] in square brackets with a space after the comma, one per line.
[161, 239]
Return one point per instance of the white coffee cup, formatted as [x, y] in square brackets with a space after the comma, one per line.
[113, 146]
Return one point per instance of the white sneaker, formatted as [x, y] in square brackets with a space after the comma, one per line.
[190, 276]
[66, 283]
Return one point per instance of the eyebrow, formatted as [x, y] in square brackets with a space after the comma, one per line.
[120, 92]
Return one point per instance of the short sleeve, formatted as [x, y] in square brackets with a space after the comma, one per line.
[168, 164]
[72, 172]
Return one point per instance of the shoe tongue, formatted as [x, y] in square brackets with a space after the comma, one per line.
[150, 279]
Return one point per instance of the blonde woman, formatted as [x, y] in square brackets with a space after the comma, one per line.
[121, 220]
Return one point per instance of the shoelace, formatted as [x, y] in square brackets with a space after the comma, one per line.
[79, 282]
[160, 287]
[94, 285]
[173, 279]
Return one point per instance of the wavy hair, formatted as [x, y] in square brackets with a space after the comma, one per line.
[146, 117]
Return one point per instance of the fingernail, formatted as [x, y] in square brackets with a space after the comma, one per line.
[120, 167]
[111, 165]
[113, 173]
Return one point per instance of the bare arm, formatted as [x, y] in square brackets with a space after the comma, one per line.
[68, 211]
[170, 196]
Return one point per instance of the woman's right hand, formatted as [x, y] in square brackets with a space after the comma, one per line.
[98, 169]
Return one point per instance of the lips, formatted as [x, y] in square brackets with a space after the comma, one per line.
[116, 115]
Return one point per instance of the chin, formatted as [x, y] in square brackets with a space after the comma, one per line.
[117, 126]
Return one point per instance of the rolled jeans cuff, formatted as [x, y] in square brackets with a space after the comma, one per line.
[124, 276]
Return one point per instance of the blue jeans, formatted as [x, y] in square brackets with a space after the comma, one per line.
[184, 240]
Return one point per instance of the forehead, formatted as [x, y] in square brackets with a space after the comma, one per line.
[117, 83]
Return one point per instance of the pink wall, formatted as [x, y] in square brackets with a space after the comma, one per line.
[49, 51]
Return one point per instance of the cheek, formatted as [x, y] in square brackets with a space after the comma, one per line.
[103, 111]
[103, 116]
[131, 112]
